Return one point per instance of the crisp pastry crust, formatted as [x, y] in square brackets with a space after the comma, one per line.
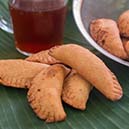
[90, 67]
[19, 73]
[44, 94]
[123, 24]
[42, 57]
[106, 33]
[76, 91]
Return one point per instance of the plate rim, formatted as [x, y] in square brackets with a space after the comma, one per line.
[76, 8]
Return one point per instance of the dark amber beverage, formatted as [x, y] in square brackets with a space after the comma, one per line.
[38, 27]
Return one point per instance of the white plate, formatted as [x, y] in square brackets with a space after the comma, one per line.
[86, 10]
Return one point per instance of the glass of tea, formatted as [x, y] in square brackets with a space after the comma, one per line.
[37, 24]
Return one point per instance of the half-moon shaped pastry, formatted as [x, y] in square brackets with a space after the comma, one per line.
[106, 33]
[76, 90]
[44, 94]
[19, 73]
[90, 67]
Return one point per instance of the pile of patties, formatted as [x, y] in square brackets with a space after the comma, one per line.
[111, 35]
[65, 72]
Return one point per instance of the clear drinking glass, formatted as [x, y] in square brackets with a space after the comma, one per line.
[37, 24]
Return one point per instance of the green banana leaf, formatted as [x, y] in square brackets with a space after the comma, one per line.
[15, 112]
